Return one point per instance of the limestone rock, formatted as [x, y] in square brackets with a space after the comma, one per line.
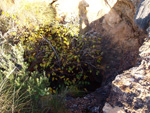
[108, 108]
[131, 89]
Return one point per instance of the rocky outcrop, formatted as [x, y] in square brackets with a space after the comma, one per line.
[131, 90]
[143, 15]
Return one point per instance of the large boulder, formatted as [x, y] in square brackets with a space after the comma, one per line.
[142, 17]
[131, 90]
[121, 38]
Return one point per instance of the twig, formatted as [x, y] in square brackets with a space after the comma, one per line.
[52, 48]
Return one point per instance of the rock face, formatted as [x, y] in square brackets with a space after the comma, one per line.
[143, 15]
[131, 90]
[120, 37]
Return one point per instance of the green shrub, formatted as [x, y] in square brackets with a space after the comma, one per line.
[66, 58]
[12, 98]
[14, 68]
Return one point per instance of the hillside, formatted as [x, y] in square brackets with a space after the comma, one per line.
[73, 56]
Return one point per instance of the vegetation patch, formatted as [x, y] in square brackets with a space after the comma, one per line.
[41, 59]
[66, 58]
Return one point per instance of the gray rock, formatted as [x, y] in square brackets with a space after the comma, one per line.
[133, 92]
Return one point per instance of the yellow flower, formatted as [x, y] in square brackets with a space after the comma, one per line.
[49, 75]
[3, 13]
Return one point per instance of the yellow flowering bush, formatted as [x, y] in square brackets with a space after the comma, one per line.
[67, 58]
